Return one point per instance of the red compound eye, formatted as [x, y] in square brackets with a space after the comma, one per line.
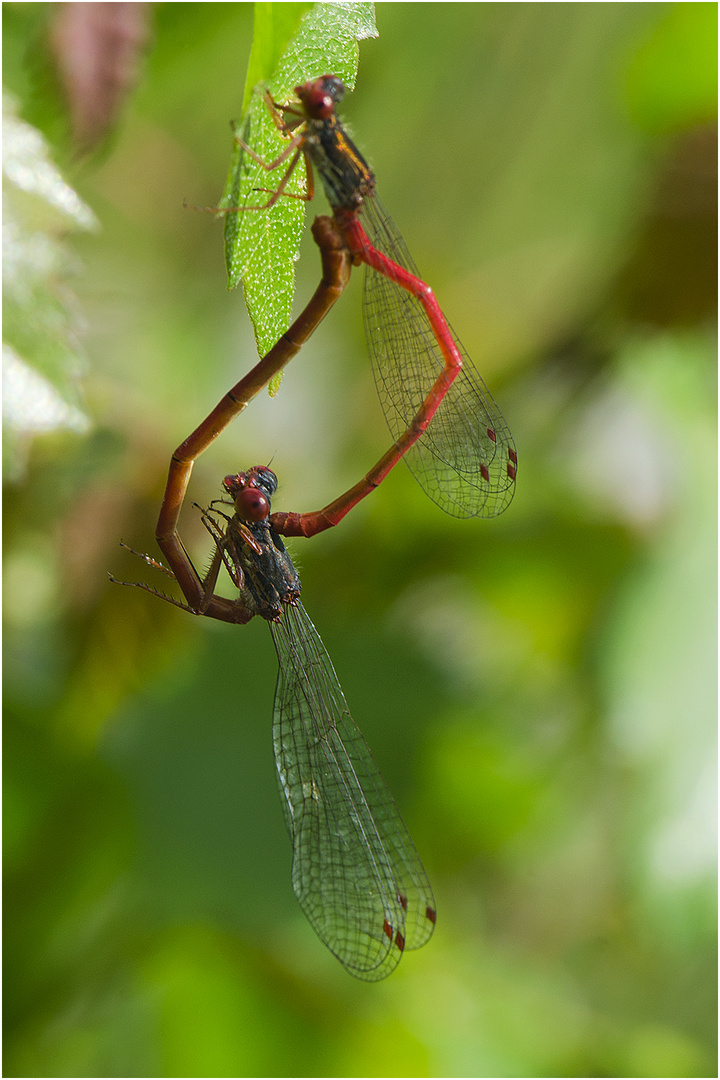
[325, 107]
[251, 504]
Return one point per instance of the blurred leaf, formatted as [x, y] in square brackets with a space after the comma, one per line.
[261, 248]
[662, 641]
[41, 356]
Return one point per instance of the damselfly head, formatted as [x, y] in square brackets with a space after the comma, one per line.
[320, 96]
[251, 492]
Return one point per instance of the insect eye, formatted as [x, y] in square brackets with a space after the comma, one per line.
[252, 504]
[325, 106]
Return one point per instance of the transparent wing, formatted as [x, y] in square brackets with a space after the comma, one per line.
[355, 871]
[466, 460]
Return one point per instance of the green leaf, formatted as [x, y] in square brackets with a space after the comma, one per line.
[262, 246]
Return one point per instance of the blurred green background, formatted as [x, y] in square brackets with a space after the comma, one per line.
[539, 690]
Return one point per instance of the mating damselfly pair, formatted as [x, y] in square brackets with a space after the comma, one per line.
[355, 870]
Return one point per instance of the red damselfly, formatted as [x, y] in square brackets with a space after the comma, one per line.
[336, 263]
[355, 871]
[465, 459]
